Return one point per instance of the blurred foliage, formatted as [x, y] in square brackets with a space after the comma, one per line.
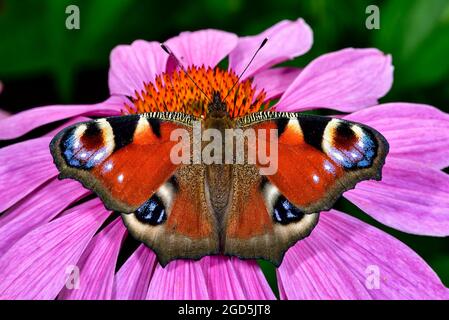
[35, 42]
[417, 34]
[41, 62]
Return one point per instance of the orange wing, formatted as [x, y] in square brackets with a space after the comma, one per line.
[319, 158]
[188, 229]
[122, 159]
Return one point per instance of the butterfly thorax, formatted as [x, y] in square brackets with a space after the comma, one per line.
[218, 176]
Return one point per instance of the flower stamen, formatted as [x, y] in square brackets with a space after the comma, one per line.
[175, 92]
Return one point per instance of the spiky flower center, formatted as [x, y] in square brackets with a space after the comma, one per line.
[176, 92]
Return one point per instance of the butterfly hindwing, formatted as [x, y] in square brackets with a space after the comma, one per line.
[189, 229]
[259, 224]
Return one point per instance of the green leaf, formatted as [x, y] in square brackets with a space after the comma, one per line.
[416, 33]
[269, 270]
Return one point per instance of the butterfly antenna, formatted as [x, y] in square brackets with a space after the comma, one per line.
[170, 53]
[246, 68]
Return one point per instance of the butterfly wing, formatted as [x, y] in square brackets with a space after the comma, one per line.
[319, 158]
[188, 230]
[126, 162]
[251, 228]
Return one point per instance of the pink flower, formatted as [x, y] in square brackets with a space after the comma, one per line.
[3, 114]
[48, 225]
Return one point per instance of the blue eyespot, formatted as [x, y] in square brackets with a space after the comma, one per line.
[152, 212]
[285, 212]
[361, 155]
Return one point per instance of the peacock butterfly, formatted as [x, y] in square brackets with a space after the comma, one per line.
[189, 210]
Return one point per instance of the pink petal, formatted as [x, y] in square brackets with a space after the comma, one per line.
[415, 132]
[235, 279]
[179, 280]
[37, 209]
[210, 278]
[275, 81]
[36, 266]
[23, 122]
[204, 47]
[411, 197]
[135, 64]
[4, 114]
[97, 265]
[133, 278]
[286, 40]
[344, 258]
[345, 80]
[24, 167]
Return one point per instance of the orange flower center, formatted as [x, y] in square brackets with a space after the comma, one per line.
[175, 92]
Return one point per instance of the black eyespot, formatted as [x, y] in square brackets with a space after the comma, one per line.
[152, 212]
[313, 130]
[284, 212]
[344, 131]
[123, 129]
[282, 125]
[156, 127]
[92, 130]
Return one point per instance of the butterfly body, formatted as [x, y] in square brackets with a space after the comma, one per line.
[189, 210]
[218, 176]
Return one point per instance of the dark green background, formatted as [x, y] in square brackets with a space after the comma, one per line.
[41, 62]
